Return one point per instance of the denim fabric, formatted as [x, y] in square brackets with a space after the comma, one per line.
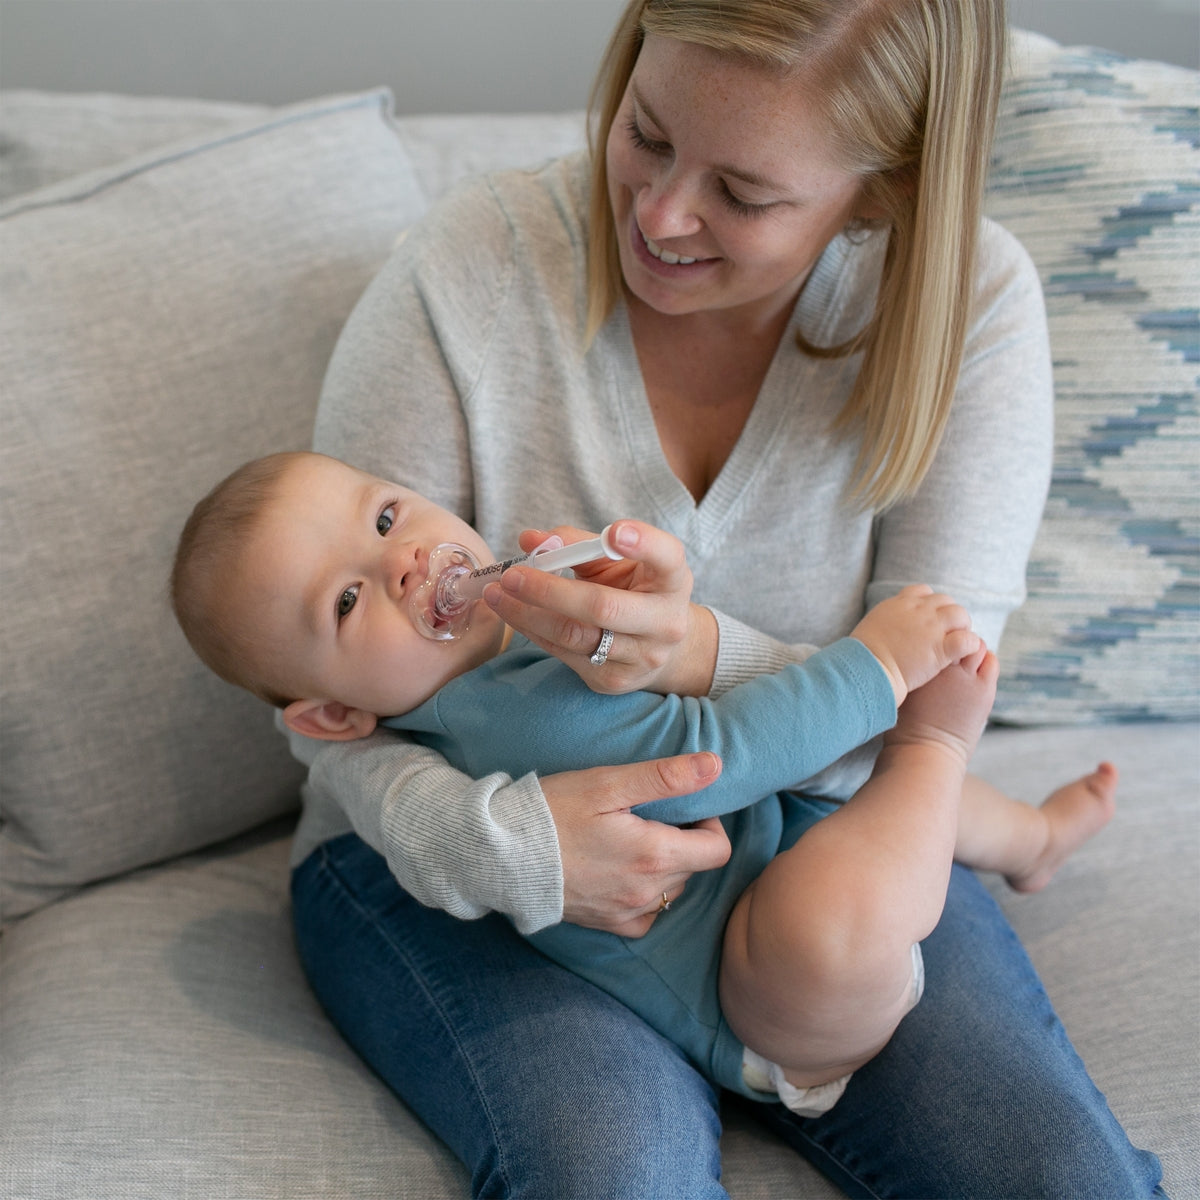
[543, 1085]
[546, 1087]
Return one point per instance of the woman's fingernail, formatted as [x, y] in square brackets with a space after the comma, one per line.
[626, 537]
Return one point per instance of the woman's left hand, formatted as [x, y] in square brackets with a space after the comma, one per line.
[662, 642]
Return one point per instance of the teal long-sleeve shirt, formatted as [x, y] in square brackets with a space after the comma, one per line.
[526, 712]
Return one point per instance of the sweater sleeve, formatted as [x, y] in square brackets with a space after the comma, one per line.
[468, 846]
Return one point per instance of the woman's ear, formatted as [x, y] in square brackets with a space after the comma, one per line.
[328, 720]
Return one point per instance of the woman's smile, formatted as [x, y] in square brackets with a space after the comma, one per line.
[667, 256]
[657, 258]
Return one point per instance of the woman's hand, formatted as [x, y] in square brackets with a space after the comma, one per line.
[662, 642]
[617, 867]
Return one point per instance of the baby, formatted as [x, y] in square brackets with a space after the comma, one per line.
[779, 974]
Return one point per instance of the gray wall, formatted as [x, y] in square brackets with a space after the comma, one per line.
[1163, 29]
[436, 55]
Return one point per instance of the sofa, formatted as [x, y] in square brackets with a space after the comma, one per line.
[173, 276]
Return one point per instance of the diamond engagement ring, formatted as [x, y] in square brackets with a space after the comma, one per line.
[600, 657]
[666, 904]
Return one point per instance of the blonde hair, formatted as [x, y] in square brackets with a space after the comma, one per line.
[204, 577]
[909, 90]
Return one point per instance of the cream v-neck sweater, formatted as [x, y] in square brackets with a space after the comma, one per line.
[462, 373]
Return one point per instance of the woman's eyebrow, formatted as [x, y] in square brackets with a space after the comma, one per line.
[750, 178]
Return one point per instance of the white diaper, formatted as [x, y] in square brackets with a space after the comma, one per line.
[765, 1076]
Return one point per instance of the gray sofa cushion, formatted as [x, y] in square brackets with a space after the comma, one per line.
[163, 320]
[1116, 935]
[160, 1041]
[168, 1046]
[163, 1042]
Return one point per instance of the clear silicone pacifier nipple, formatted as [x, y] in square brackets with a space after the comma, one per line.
[438, 610]
[441, 607]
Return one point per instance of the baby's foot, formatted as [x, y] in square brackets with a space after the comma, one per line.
[1073, 813]
[952, 709]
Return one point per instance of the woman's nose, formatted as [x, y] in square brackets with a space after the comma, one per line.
[667, 207]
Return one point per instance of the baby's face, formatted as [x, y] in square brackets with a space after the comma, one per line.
[328, 579]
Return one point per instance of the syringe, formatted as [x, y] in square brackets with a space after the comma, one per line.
[441, 606]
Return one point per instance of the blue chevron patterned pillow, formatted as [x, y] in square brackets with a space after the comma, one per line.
[1097, 171]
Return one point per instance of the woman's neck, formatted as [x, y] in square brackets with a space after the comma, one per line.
[702, 373]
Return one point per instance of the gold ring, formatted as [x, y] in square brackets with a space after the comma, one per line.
[665, 904]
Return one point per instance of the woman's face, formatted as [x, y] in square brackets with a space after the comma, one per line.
[723, 184]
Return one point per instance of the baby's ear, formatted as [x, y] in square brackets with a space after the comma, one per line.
[328, 720]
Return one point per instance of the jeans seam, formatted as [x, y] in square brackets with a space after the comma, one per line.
[826, 1153]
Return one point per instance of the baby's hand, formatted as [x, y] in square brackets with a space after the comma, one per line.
[915, 635]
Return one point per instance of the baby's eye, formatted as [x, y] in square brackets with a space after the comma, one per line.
[385, 520]
[346, 601]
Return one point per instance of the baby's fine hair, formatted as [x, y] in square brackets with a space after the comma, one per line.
[204, 582]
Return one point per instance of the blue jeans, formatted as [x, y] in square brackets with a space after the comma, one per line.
[547, 1088]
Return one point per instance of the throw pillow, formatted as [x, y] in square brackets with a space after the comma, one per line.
[1097, 171]
[163, 320]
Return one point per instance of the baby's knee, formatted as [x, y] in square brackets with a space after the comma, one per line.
[859, 953]
[814, 1099]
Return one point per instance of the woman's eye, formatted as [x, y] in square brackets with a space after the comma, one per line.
[742, 208]
[641, 141]
[346, 601]
[385, 520]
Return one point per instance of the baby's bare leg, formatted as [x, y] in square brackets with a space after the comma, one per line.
[817, 965]
[1026, 844]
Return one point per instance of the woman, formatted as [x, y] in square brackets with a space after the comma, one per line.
[765, 317]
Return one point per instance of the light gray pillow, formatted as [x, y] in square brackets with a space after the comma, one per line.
[46, 137]
[161, 321]
[1097, 171]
